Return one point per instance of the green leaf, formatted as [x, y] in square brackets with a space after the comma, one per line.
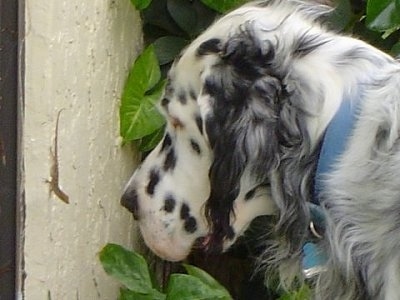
[342, 16]
[145, 72]
[395, 51]
[141, 118]
[222, 6]
[168, 47]
[206, 279]
[205, 17]
[184, 15]
[187, 287]
[140, 4]
[157, 14]
[149, 142]
[383, 15]
[127, 267]
[138, 115]
[144, 75]
[126, 294]
[198, 284]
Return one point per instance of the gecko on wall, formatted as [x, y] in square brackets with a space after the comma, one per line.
[54, 181]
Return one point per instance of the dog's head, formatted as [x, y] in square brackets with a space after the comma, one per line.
[229, 110]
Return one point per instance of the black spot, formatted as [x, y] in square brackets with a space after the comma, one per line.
[209, 46]
[130, 201]
[195, 146]
[154, 179]
[169, 204]
[185, 211]
[169, 90]
[190, 225]
[170, 160]
[192, 95]
[165, 102]
[167, 224]
[166, 142]
[199, 123]
[250, 194]
[182, 98]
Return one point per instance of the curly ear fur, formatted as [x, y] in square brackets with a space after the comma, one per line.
[242, 126]
[256, 123]
[292, 180]
[247, 54]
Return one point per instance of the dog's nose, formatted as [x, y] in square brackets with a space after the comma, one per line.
[130, 201]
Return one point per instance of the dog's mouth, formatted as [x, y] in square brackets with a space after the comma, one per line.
[201, 243]
[210, 244]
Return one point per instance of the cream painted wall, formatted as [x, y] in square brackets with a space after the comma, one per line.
[77, 54]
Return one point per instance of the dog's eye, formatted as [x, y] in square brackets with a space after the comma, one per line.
[164, 103]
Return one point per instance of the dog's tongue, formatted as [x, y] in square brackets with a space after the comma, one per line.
[202, 243]
[206, 244]
[211, 245]
[206, 241]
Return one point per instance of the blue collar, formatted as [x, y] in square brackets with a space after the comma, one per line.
[334, 143]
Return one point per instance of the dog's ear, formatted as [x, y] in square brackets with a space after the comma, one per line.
[247, 53]
[291, 181]
[240, 122]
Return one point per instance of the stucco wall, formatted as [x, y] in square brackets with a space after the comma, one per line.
[77, 54]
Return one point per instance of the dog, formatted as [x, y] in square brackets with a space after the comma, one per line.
[267, 112]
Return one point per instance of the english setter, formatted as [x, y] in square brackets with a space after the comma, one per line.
[249, 108]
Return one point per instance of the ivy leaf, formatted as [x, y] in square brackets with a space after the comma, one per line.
[383, 15]
[206, 16]
[142, 117]
[145, 72]
[206, 279]
[140, 4]
[127, 267]
[222, 6]
[342, 16]
[157, 15]
[183, 14]
[132, 271]
[168, 47]
[198, 284]
[187, 287]
[138, 115]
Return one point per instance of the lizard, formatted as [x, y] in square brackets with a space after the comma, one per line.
[54, 170]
